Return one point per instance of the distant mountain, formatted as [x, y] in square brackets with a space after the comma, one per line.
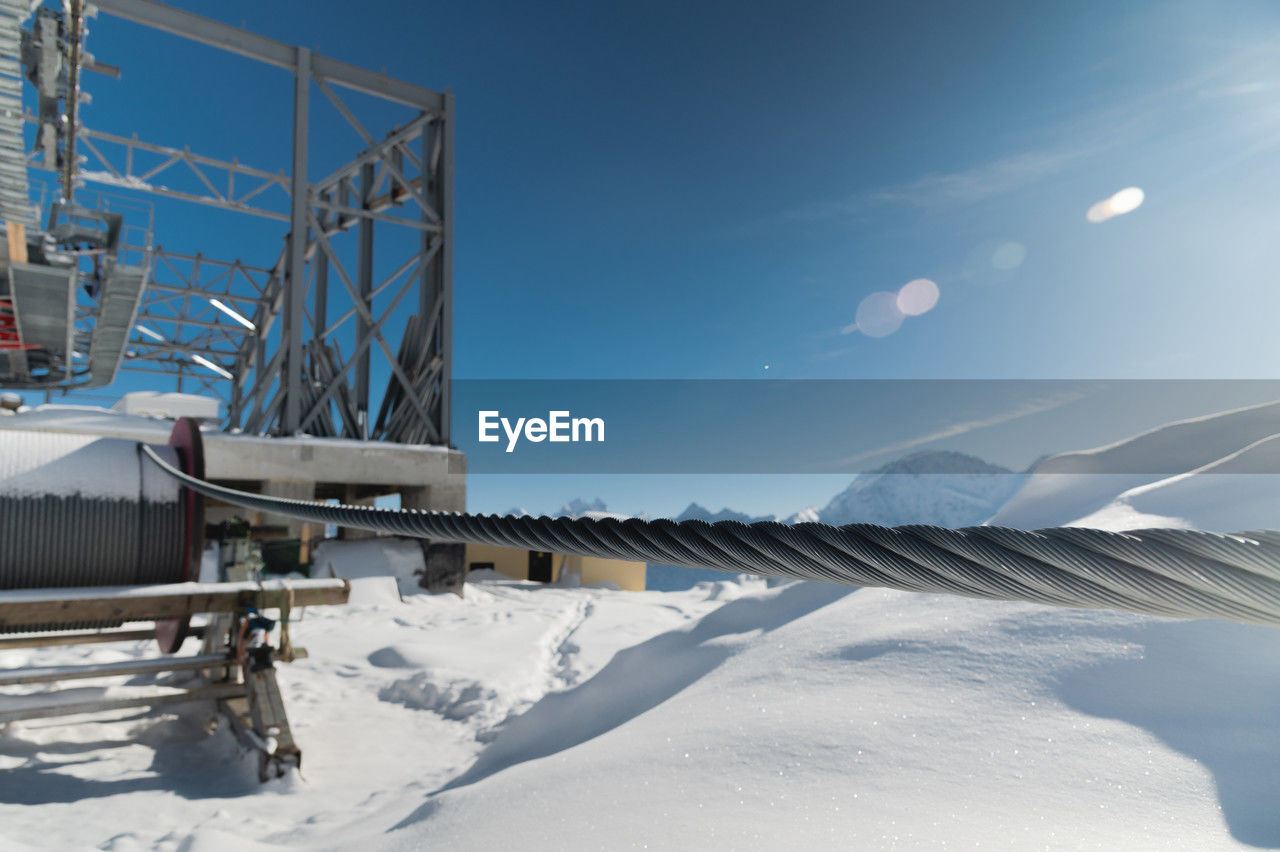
[1218, 472]
[808, 515]
[578, 507]
[941, 487]
[697, 513]
[947, 488]
[517, 511]
[934, 487]
[940, 461]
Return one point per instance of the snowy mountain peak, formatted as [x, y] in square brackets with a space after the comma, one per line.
[941, 461]
[807, 515]
[694, 512]
[1214, 472]
[936, 487]
[577, 507]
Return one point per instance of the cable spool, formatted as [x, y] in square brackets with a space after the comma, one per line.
[79, 511]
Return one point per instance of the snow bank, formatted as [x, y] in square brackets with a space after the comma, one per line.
[813, 717]
[1216, 473]
[91, 420]
[33, 464]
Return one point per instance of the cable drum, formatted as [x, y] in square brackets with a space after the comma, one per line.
[79, 511]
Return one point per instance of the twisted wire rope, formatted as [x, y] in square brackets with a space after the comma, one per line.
[1169, 572]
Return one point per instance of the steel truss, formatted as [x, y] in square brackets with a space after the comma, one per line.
[294, 346]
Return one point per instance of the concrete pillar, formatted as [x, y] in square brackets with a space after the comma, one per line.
[447, 496]
[446, 567]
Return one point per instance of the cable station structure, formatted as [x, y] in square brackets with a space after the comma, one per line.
[292, 343]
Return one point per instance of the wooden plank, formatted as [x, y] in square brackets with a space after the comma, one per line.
[155, 665]
[16, 233]
[15, 709]
[21, 607]
[85, 637]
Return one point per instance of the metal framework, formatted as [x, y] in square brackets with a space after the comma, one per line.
[296, 344]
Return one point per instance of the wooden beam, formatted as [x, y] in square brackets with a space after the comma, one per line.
[26, 607]
[85, 637]
[17, 236]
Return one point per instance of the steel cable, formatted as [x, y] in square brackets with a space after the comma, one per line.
[1169, 572]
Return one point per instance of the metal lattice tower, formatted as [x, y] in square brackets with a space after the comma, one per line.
[293, 343]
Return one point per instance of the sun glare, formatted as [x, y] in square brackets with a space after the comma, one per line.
[1009, 256]
[879, 314]
[917, 297]
[1125, 201]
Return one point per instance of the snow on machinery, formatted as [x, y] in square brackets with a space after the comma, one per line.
[94, 541]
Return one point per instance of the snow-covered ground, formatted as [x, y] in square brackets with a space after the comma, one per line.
[732, 715]
[395, 700]
[737, 714]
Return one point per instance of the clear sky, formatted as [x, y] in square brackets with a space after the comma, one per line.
[711, 190]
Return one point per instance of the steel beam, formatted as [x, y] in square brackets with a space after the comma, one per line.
[53, 674]
[396, 368]
[407, 132]
[364, 282]
[128, 178]
[362, 350]
[295, 291]
[235, 40]
[445, 177]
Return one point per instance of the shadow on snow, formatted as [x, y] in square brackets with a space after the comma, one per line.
[636, 680]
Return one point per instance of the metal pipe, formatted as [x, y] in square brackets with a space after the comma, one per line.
[86, 637]
[74, 36]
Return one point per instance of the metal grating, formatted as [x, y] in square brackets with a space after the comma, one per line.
[121, 292]
[44, 301]
[15, 201]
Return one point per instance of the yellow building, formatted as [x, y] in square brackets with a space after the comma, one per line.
[550, 567]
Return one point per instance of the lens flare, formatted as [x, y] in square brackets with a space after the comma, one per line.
[879, 315]
[917, 297]
[1009, 256]
[1125, 201]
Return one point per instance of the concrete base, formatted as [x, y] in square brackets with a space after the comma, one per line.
[446, 567]
[446, 563]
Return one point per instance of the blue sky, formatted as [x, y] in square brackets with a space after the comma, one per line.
[675, 190]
